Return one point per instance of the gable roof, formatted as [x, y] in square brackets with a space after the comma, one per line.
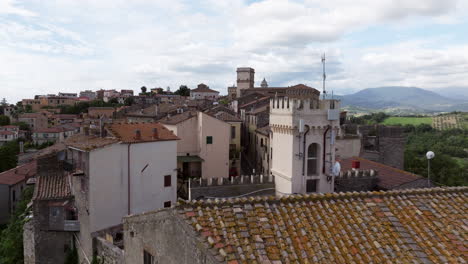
[51, 187]
[18, 174]
[176, 119]
[419, 225]
[88, 143]
[388, 176]
[203, 88]
[125, 132]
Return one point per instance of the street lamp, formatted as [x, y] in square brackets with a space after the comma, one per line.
[429, 155]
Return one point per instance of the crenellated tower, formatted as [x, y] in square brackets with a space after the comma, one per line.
[303, 137]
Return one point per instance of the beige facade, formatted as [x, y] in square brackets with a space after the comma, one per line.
[203, 148]
[96, 112]
[34, 120]
[303, 144]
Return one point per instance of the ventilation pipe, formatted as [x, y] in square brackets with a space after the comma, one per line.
[304, 149]
[324, 148]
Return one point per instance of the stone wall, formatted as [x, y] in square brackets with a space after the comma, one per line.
[28, 243]
[236, 186]
[108, 252]
[356, 180]
[166, 237]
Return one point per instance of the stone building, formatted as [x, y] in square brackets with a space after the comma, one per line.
[34, 120]
[366, 227]
[12, 183]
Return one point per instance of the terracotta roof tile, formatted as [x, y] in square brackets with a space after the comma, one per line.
[176, 119]
[388, 176]
[88, 143]
[125, 132]
[409, 226]
[18, 174]
[51, 187]
[202, 88]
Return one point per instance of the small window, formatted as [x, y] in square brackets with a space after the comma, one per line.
[167, 204]
[167, 181]
[311, 186]
[209, 140]
[233, 132]
[14, 196]
[147, 257]
[312, 159]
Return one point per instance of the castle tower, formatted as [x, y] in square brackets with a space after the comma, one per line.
[302, 142]
[245, 79]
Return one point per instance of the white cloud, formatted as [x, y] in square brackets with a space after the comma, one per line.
[74, 45]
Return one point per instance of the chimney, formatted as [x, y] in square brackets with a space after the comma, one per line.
[355, 164]
[137, 134]
[155, 133]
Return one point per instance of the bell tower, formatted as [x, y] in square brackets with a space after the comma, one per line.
[245, 79]
[303, 138]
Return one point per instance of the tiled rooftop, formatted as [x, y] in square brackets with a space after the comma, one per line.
[88, 143]
[18, 174]
[389, 177]
[125, 132]
[176, 119]
[408, 226]
[52, 187]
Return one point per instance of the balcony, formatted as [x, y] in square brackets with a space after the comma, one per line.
[71, 225]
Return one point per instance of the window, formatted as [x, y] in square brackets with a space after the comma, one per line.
[167, 181]
[209, 140]
[14, 196]
[147, 258]
[311, 186]
[167, 204]
[233, 132]
[261, 142]
[312, 154]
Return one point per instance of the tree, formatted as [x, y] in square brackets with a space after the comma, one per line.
[8, 155]
[183, 91]
[28, 109]
[11, 238]
[114, 101]
[4, 120]
[4, 102]
[143, 89]
[129, 101]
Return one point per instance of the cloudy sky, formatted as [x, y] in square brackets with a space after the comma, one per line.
[70, 45]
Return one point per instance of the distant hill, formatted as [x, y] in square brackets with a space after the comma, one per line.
[407, 99]
[454, 92]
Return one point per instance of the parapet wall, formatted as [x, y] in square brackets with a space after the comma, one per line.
[235, 186]
[356, 180]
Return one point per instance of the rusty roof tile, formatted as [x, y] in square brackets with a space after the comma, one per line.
[417, 225]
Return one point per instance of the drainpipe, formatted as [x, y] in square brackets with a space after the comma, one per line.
[324, 148]
[304, 150]
[128, 177]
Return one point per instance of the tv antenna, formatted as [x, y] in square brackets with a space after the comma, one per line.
[324, 76]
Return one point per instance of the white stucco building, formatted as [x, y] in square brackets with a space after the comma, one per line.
[130, 171]
[302, 142]
[204, 92]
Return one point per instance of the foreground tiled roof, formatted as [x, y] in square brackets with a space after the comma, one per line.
[18, 174]
[408, 226]
[52, 187]
[388, 177]
[125, 132]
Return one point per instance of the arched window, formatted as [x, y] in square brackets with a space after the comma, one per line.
[312, 159]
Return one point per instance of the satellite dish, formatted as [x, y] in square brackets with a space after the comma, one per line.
[336, 169]
[430, 155]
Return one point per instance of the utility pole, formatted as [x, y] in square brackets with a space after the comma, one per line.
[324, 76]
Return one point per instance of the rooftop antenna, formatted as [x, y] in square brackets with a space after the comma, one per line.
[324, 76]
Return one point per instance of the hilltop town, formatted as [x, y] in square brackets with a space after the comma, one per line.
[260, 175]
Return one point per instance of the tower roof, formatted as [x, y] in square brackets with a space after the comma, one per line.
[264, 84]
